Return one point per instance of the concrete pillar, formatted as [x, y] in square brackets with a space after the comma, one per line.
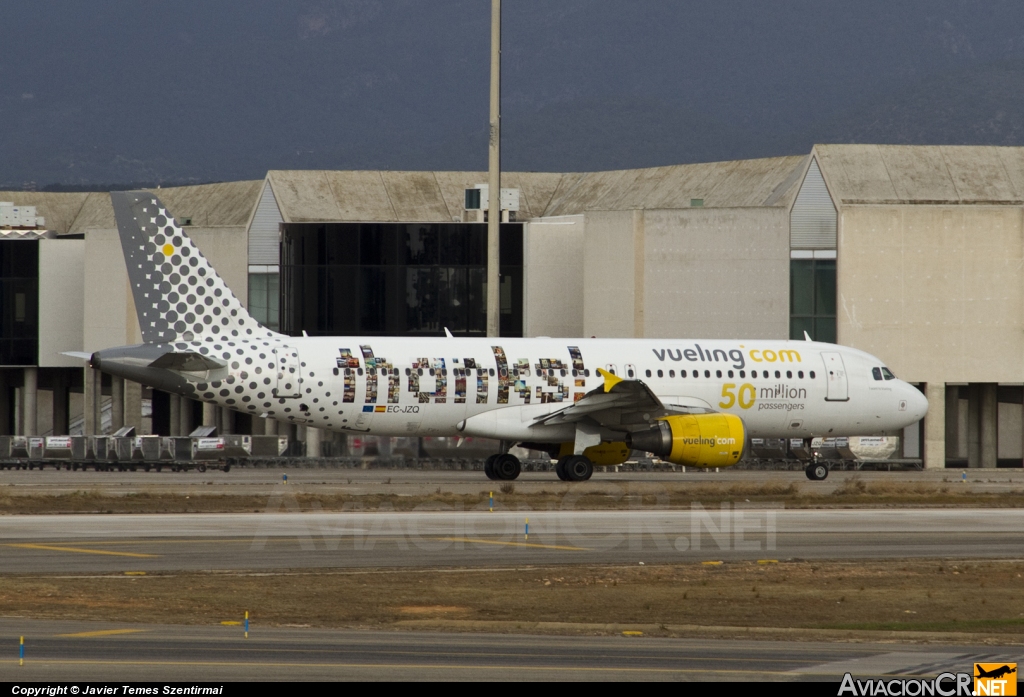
[227, 421]
[133, 405]
[174, 415]
[60, 403]
[30, 392]
[340, 444]
[974, 425]
[269, 427]
[6, 400]
[116, 403]
[92, 387]
[313, 441]
[210, 415]
[989, 424]
[952, 421]
[290, 430]
[935, 426]
[185, 424]
[259, 426]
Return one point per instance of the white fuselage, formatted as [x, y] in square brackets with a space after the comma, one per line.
[497, 387]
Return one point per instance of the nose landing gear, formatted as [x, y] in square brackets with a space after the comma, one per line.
[816, 471]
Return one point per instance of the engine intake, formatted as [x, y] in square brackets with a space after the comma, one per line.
[697, 440]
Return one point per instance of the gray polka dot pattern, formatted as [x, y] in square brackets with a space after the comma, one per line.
[178, 295]
[185, 307]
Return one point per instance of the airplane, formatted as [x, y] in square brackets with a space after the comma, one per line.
[586, 402]
[995, 673]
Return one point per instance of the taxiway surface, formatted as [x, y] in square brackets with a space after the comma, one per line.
[413, 482]
[262, 541]
[80, 651]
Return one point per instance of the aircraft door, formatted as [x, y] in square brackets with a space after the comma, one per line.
[630, 371]
[289, 376]
[610, 367]
[835, 373]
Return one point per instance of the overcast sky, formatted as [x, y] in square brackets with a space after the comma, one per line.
[109, 91]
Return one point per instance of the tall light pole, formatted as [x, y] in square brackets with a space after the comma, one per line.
[494, 181]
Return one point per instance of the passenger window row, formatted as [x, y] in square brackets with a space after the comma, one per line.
[742, 373]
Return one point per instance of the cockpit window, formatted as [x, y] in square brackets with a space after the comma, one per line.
[887, 374]
[876, 373]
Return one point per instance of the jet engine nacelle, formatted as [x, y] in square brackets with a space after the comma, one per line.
[697, 440]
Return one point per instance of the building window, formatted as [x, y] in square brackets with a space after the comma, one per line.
[264, 299]
[396, 279]
[19, 302]
[812, 299]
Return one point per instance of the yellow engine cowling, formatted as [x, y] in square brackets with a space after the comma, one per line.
[697, 440]
[604, 454]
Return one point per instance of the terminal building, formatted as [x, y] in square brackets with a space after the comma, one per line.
[912, 253]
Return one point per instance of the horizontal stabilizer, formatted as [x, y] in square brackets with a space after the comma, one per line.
[186, 360]
[77, 354]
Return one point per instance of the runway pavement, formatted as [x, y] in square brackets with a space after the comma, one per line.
[78, 544]
[81, 651]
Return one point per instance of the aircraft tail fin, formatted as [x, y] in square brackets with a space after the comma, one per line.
[178, 294]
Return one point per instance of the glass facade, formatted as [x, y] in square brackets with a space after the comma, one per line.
[812, 299]
[396, 279]
[19, 302]
[264, 299]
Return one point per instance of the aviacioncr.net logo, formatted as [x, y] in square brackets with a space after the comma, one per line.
[995, 679]
[945, 685]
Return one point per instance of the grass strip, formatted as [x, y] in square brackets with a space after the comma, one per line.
[980, 597]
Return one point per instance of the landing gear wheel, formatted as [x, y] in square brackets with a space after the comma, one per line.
[489, 466]
[506, 467]
[578, 468]
[560, 469]
[817, 472]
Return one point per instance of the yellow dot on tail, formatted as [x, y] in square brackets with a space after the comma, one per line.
[167, 249]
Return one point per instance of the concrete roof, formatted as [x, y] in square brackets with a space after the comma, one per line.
[734, 184]
[396, 196]
[923, 174]
[209, 205]
[59, 209]
[879, 174]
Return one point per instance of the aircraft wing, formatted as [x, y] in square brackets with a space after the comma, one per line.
[619, 404]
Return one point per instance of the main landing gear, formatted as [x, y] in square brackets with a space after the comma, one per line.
[503, 466]
[571, 468]
[574, 468]
[816, 471]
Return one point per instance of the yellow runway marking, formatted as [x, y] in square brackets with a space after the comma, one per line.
[152, 541]
[85, 551]
[161, 541]
[512, 544]
[406, 666]
[103, 632]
